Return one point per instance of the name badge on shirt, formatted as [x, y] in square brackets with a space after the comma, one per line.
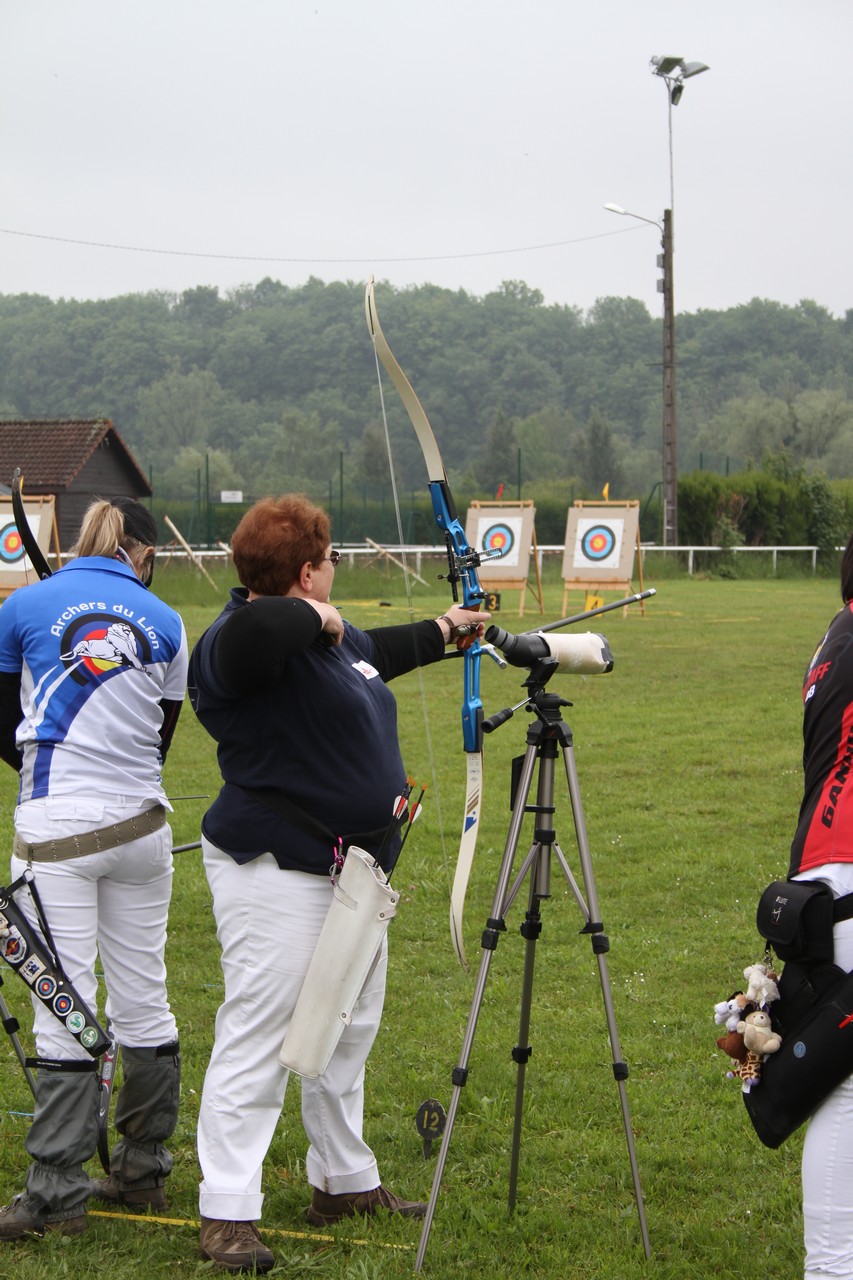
[366, 669]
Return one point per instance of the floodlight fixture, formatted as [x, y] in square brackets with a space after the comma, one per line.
[674, 71]
[664, 65]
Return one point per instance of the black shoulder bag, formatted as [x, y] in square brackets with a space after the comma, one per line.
[814, 1012]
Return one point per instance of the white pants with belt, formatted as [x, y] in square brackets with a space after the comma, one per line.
[268, 922]
[828, 1147]
[114, 905]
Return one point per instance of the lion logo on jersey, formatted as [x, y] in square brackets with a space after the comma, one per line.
[109, 648]
[99, 645]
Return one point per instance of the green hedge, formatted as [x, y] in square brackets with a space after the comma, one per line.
[753, 508]
[763, 508]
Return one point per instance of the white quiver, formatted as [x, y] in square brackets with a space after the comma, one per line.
[362, 908]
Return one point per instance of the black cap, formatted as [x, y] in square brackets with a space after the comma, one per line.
[138, 521]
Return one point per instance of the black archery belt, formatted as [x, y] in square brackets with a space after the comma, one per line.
[97, 841]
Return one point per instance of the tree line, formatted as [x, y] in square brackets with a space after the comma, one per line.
[270, 388]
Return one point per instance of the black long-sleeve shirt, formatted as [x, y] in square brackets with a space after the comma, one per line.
[315, 722]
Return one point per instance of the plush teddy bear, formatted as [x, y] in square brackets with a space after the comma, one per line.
[731, 1011]
[762, 988]
[758, 1035]
[733, 1045]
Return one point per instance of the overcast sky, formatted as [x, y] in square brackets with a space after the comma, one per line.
[457, 142]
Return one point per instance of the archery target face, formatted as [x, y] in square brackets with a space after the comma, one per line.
[506, 528]
[11, 546]
[500, 535]
[599, 543]
[12, 555]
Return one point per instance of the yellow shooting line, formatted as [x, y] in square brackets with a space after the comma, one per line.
[274, 1231]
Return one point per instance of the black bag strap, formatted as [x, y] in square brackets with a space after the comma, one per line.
[306, 822]
[280, 804]
[842, 908]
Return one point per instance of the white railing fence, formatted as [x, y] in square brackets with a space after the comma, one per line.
[415, 555]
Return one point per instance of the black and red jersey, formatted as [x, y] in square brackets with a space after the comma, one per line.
[825, 829]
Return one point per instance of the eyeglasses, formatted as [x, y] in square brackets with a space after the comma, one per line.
[334, 558]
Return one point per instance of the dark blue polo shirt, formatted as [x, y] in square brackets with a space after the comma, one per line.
[315, 722]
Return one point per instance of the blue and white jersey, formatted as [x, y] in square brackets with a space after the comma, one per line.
[96, 652]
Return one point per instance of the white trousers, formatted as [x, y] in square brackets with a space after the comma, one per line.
[268, 922]
[828, 1148]
[113, 905]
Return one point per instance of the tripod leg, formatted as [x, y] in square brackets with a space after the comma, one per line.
[600, 947]
[491, 935]
[530, 931]
[11, 1026]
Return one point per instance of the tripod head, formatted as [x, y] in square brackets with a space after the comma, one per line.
[545, 706]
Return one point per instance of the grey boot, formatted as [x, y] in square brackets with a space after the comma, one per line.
[145, 1116]
[63, 1135]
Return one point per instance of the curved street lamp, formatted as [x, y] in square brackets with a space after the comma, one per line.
[626, 213]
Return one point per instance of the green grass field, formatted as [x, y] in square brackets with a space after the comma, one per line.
[688, 756]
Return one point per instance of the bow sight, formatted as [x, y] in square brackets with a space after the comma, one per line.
[460, 563]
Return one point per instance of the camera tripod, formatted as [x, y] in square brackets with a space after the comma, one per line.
[548, 735]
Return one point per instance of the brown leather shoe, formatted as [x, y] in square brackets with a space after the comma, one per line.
[17, 1222]
[326, 1209]
[234, 1246]
[111, 1191]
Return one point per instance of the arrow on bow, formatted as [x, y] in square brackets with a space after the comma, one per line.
[462, 561]
[28, 538]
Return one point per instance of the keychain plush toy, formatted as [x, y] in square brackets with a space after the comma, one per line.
[749, 1034]
[758, 1034]
[762, 989]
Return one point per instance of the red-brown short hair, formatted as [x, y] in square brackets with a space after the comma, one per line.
[275, 538]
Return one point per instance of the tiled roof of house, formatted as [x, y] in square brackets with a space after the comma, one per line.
[52, 452]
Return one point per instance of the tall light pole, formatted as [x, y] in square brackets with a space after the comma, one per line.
[673, 72]
[669, 461]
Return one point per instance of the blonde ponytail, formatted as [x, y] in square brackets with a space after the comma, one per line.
[102, 531]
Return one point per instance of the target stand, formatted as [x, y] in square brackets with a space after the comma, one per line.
[602, 539]
[508, 527]
[15, 568]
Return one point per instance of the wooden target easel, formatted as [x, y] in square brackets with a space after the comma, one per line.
[15, 568]
[489, 524]
[602, 539]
